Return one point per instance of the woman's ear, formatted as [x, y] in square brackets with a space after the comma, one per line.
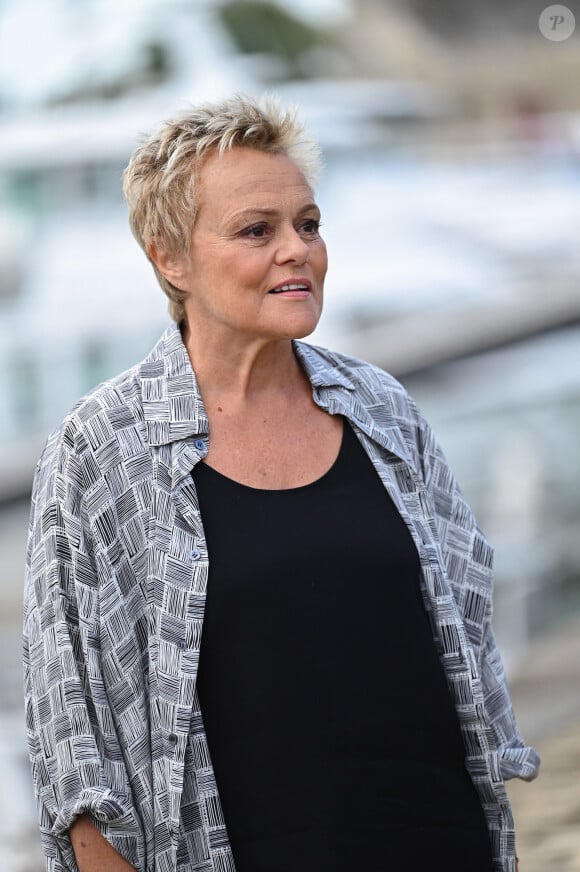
[171, 266]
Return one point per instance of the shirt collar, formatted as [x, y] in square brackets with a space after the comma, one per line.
[355, 389]
[172, 404]
[174, 411]
[321, 370]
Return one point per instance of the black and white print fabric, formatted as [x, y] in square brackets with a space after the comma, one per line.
[117, 569]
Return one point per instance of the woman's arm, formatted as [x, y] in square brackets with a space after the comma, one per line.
[93, 852]
[468, 560]
[77, 764]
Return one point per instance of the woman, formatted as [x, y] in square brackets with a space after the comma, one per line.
[345, 707]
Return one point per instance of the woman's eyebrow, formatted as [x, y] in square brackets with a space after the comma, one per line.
[254, 210]
[268, 211]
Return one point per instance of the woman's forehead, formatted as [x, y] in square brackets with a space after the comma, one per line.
[241, 168]
[245, 178]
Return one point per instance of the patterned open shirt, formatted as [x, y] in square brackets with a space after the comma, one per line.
[117, 569]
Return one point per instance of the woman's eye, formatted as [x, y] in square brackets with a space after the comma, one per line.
[311, 227]
[257, 231]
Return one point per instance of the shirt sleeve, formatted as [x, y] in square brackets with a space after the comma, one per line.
[516, 759]
[76, 757]
[468, 559]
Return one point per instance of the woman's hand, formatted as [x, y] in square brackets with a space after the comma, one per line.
[93, 852]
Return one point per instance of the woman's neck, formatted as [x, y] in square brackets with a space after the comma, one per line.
[244, 372]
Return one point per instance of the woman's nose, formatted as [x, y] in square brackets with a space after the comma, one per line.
[292, 247]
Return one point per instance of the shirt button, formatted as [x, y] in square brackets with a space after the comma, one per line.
[194, 554]
[172, 739]
[199, 443]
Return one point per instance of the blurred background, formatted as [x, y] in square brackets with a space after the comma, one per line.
[451, 209]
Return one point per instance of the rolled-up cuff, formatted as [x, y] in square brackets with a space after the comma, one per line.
[519, 762]
[113, 816]
[102, 804]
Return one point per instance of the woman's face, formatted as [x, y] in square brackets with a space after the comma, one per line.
[257, 263]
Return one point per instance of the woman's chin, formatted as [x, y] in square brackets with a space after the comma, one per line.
[301, 324]
[299, 331]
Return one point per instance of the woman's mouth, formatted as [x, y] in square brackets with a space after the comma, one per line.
[292, 289]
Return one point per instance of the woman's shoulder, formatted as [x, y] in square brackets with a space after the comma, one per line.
[106, 405]
[110, 412]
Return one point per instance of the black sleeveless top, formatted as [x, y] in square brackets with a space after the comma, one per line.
[332, 733]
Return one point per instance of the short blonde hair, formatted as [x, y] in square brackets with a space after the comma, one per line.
[161, 178]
